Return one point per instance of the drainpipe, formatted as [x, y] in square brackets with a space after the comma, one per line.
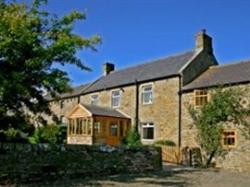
[78, 99]
[136, 106]
[180, 112]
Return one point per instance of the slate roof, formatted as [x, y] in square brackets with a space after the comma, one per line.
[222, 75]
[104, 111]
[148, 71]
[76, 91]
[156, 69]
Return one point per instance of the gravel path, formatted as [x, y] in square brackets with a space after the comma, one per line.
[170, 176]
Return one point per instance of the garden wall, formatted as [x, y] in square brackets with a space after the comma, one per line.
[32, 163]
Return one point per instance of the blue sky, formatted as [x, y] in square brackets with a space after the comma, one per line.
[135, 31]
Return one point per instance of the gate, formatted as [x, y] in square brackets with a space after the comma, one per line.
[171, 154]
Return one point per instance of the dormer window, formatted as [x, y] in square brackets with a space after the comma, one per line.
[94, 99]
[147, 94]
[116, 98]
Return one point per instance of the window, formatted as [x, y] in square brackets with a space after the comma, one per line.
[79, 126]
[97, 127]
[229, 138]
[62, 120]
[62, 104]
[116, 98]
[148, 131]
[200, 98]
[147, 94]
[94, 99]
[114, 130]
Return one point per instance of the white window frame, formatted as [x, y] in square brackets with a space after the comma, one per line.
[116, 97]
[147, 125]
[94, 101]
[146, 92]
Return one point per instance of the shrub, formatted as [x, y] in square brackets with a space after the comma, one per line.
[133, 138]
[47, 134]
[165, 142]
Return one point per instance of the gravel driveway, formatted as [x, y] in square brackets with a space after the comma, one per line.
[171, 175]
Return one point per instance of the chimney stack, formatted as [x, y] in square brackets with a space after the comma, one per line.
[108, 68]
[204, 42]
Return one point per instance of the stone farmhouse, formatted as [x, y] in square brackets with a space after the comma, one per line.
[153, 96]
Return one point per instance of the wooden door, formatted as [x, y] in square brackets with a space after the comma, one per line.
[113, 136]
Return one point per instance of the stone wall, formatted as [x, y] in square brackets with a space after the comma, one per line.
[235, 158]
[67, 106]
[33, 163]
[163, 112]
[83, 139]
[188, 130]
[128, 100]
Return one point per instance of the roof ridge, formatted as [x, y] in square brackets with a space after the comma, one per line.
[229, 64]
[153, 61]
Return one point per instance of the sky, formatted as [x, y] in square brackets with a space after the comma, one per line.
[137, 31]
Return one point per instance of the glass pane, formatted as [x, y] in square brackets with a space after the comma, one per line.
[94, 99]
[148, 133]
[89, 126]
[115, 93]
[113, 130]
[116, 101]
[147, 97]
[97, 127]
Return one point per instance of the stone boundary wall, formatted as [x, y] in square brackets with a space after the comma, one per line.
[34, 163]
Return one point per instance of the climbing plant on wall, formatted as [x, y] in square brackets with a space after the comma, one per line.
[224, 107]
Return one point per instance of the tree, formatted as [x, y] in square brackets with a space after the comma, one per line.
[225, 106]
[31, 42]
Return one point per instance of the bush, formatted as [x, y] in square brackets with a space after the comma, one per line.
[165, 142]
[132, 139]
[13, 135]
[48, 134]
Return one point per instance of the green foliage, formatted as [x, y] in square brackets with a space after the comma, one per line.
[165, 142]
[35, 138]
[32, 42]
[133, 138]
[16, 134]
[48, 134]
[210, 120]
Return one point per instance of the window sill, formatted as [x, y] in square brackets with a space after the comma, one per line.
[228, 147]
[115, 107]
[148, 140]
[145, 104]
